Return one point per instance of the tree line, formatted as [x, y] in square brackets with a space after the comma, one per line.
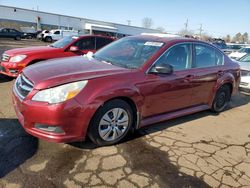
[238, 38]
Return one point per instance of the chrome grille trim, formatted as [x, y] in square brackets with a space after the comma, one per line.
[23, 86]
[5, 57]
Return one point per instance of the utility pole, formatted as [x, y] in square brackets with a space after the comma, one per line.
[200, 29]
[186, 25]
[129, 22]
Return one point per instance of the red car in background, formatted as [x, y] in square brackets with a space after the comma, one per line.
[130, 83]
[13, 61]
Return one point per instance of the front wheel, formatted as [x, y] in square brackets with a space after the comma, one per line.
[111, 123]
[221, 99]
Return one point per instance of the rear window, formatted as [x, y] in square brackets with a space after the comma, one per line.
[206, 56]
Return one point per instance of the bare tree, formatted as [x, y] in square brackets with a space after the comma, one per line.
[147, 22]
[184, 32]
[245, 37]
[227, 38]
[238, 38]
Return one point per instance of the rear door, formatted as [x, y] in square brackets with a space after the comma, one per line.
[5, 33]
[86, 44]
[102, 41]
[207, 68]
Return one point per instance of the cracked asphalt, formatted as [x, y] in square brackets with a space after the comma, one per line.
[199, 150]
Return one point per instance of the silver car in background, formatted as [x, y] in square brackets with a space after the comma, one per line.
[245, 73]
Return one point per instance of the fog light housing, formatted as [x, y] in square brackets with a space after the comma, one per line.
[13, 71]
[48, 128]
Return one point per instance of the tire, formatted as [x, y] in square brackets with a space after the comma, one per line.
[222, 98]
[18, 38]
[48, 39]
[104, 128]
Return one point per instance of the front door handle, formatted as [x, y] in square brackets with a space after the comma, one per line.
[188, 78]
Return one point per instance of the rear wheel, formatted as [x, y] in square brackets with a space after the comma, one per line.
[221, 99]
[48, 39]
[111, 123]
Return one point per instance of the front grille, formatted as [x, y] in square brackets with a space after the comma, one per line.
[23, 86]
[245, 73]
[5, 57]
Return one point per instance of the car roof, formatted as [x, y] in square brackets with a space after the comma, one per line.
[89, 35]
[176, 39]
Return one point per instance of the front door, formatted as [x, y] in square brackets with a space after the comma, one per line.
[168, 93]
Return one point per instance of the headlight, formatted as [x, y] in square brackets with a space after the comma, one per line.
[17, 58]
[60, 93]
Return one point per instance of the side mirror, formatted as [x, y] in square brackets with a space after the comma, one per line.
[162, 69]
[73, 49]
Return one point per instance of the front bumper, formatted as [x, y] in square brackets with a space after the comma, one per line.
[10, 69]
[245, 84]
[69, 116]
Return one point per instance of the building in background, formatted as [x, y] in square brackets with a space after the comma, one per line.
[15, 17]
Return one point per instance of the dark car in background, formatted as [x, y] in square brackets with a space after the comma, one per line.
[131, 83]
[11, 33]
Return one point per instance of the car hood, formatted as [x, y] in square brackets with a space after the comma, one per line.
[60, 71]
[244, 65]
[31, 50]
[237, 54]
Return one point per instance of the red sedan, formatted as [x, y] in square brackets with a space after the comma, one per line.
[131, 83]
[13, 61]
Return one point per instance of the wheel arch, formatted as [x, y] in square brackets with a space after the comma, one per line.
[229, 83]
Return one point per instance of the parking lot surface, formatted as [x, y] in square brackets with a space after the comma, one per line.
[200, 150]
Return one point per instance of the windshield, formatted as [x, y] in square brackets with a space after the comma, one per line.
[128, 52]
[242, 50]
[234, 47]
[63, 42]
[245, 58]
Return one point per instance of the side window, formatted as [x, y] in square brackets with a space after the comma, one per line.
[5, 31]
[86, 43]
[100, 42]
[206, 56]
[57, 33]
[178, 56]
[12, 31]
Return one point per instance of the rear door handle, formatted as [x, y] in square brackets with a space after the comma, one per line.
[220, 73]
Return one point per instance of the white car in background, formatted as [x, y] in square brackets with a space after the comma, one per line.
[240, 53]
[245, 73]
[58, 34]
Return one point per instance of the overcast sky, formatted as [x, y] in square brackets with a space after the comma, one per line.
[218, 17]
